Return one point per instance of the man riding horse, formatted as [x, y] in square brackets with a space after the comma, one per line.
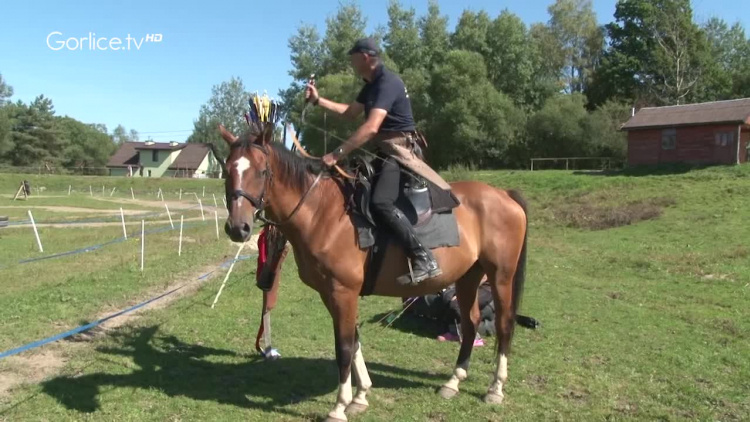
[390, 124]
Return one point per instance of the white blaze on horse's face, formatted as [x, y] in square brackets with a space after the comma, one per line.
[241, 165]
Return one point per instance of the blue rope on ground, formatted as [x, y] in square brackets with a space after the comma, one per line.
[86, 327]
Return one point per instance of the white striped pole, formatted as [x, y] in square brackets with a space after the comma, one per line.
[180, 194]
[202, 215]
[179, 247]
[113, 191]
[36, 232]
[132, 195]
[91, 191]
[204, 191]
[69, 190]
[143, 241]
[169, 215]
[216, 299]
[216, 205]
[122, 217]
[216, 217]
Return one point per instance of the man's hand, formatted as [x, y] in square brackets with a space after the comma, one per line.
[329, 159]
[311, 93]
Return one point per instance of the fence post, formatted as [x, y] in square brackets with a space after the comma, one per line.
[122, 217]
[36, 232]
[143, 241]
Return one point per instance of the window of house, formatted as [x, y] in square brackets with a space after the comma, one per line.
[668, 139]
[155, 155]
[724, 138]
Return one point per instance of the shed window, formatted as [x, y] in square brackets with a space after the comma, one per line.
[155, 155]
[724, 138]
[668, 139]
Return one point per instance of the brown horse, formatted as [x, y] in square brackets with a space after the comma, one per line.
[309, 206]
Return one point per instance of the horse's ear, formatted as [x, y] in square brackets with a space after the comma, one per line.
[227, 135]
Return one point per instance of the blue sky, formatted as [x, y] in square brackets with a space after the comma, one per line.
[157, 88]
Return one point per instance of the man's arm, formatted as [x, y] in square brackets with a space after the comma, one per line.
[364, 133]
[347, 111]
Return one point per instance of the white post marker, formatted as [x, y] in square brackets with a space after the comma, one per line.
[179, 247]
[122, 217]
[143, 241]
[227, 276]
[113, 191]
[216, 217]
[132, 195]
[91, 191]
[202, 215]
[224, 200]
[169, 215]
[69, 190]
[216, 204]
[204, 191]
[36, 232]
[180, 194]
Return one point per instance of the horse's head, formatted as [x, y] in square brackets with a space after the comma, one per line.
[247, 177]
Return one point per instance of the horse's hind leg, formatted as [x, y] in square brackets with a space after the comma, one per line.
[502, 289]
[466, 292]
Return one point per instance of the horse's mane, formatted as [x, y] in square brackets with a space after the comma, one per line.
[291, 168]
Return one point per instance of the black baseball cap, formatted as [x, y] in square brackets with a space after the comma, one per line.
[365, 45]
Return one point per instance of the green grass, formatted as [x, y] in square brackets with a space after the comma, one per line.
[643, 321]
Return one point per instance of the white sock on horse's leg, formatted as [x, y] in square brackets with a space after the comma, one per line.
[459, 374]
[343, 399]
[362, 377]
[495, 392]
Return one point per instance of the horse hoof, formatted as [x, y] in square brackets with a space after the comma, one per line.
[493, 398]
[355, 408]
[447, 393]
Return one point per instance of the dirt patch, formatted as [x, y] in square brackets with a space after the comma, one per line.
[33, 367]
[576, 395]
[537, 382]
[625, 407]
[586, 213]
[185, 239]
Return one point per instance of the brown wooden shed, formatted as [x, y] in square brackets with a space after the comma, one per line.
[706, 133]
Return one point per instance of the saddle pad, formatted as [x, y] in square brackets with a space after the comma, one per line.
[441, 230]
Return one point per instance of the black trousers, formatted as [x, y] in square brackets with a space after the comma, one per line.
[387, 186]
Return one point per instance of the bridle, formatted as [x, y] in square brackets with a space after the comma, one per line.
[259, 202]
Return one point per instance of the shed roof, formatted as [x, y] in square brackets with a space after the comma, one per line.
[731, 111]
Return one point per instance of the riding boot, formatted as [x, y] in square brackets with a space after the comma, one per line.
[424, 265]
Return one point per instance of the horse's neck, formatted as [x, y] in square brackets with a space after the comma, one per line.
[314, 208]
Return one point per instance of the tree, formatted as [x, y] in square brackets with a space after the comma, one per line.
[85, 145]
[227, 105]
[402, 39]
[510, 58]
[573, 24]
[657, 55]
[471, 32]
[433, 31]
[472, 122]
[6, 91]
[342, 30]
[730, 57]
[34, 135]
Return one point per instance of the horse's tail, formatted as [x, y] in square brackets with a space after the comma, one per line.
[520, 276]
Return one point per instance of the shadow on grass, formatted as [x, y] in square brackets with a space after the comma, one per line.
[411, 324]
[178, 369]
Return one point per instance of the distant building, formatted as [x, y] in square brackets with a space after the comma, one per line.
[165, 159]
[705, 133]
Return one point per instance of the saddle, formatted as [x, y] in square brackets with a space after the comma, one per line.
[428, 208]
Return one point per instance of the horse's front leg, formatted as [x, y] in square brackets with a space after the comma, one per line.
[359, 404]
[343, 308]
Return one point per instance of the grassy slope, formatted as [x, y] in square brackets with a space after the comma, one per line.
[646, 321]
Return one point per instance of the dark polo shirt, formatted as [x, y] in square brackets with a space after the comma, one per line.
[388, 92]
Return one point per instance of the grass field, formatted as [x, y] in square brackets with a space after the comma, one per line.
[641, 283]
